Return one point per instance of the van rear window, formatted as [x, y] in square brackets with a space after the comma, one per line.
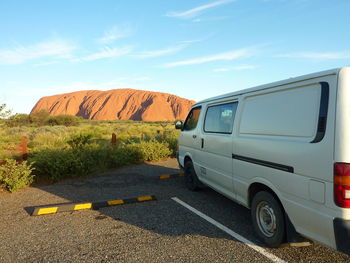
[290, 112]
[219, 118]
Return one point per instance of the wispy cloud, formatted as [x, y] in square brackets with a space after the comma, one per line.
[116, 32]
[191, 41]
[197, 10]
[130, 82]
[46, 63]
[124, 82]
[209, 19]
[318, 55]
[145, 78]
[160, 52]
[105, 52]
[231, 55]
[54, 48]
[242, 67]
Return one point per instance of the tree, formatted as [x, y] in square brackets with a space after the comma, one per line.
[40, 117]
[3, 112]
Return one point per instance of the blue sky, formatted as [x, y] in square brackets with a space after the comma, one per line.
[193, 49]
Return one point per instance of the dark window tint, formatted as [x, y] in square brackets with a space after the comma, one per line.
[219, 118]
[192, 119]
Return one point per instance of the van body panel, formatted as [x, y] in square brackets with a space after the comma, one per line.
[190, 142]
[215, 157]
[216, 160]
[342, 137]
[295, 80]
[286, 136]
[290, 147]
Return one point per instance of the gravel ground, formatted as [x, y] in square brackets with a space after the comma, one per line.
[155, 231]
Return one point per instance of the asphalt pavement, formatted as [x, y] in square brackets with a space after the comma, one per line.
[152, 231]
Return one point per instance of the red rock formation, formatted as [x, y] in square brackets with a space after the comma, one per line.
[118, 104]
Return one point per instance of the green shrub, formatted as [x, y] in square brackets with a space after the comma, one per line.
[172, 142]
[130, 140]
[170, 138]
[14, 176]
[65, 120]
[77, 142]
[19, 120]
[151, 150]
[40, 117]
[126, 155]
[59, 164]
[60, 151]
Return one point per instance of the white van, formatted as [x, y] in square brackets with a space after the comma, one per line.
[282, 150]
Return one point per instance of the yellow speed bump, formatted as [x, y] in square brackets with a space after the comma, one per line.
[168, 176]
[115, 202]
[144, 198]
[48, 210]
[56, 208]
[165, 176]
[83, 206]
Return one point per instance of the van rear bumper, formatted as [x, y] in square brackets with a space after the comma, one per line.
[342, 234]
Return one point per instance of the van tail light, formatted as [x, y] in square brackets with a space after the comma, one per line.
[342, 184]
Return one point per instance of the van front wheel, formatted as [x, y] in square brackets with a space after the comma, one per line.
[268, 219]
[191, 179]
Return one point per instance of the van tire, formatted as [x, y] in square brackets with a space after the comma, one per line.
[268, 219]
[191, 179]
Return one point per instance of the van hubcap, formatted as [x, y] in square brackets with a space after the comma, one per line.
[266, 219]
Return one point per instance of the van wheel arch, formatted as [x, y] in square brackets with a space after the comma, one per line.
[191, 179]
[291, 234]
[187, 158]
[258, 187]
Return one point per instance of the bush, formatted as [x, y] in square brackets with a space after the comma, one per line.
[61, 151]
[14, 176]
[77, 142]
[59, 164]
[127, 155]
[173, 145]
[19, 120]
[151, 150]
[65, 120]
[40, 117]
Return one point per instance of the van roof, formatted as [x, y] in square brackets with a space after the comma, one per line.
[273, 84]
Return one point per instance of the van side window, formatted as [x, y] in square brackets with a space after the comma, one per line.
[192, 119]
[219, 118]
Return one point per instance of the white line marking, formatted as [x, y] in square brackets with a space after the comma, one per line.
[230, 232]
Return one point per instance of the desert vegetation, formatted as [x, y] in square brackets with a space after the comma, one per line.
[67, 146]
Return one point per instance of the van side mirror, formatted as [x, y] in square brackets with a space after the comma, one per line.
[178, 125]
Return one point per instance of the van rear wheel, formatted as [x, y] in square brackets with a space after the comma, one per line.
[191, 179]
[268, 219]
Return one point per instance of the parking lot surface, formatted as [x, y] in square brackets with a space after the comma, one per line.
[154, 231]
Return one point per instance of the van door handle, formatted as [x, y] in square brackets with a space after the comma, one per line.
[194, 136]
[202, 142]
